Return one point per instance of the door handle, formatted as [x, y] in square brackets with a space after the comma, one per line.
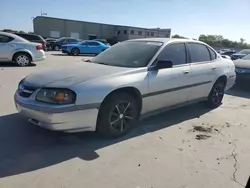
[214, 68]
[186, 72]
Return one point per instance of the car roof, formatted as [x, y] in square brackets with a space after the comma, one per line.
[166, 40]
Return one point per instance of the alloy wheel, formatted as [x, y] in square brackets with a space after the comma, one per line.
[121, 116]
[218, 93]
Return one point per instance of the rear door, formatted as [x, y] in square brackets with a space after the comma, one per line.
[203, 67]
[170, 86]
[6, 48]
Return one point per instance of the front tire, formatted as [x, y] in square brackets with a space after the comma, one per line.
[22, 59]
[117, 115]
[75, 51]
[216, 94]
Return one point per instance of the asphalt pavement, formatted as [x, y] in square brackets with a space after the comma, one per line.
[190, 147]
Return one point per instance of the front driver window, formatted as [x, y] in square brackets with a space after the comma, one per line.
[176, 53]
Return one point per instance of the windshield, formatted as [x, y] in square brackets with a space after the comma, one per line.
[128, 54]
[247, 57]
[244, 52]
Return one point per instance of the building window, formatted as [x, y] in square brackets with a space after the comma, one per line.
[139, 32]
[118, 32]
[125, 32]
[132, 32]
[152, 34]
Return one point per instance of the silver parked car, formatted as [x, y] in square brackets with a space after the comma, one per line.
[19, 50]
[130, 79]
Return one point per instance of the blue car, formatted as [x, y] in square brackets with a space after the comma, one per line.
[84, 47]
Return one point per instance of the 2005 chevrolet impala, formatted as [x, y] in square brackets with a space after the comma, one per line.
[130, 79]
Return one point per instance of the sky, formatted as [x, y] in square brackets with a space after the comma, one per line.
[189, 18]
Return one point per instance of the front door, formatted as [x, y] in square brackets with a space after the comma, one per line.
[93, 47]
[5, 47]
[170, 86]
[203, 67]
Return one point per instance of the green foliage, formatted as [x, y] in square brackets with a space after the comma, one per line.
[178, 37]
[219, 41]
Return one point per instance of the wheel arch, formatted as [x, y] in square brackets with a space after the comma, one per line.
[22, 51]
[222, 78]
[134, 92]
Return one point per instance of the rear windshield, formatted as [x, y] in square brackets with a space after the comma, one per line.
[244, 52]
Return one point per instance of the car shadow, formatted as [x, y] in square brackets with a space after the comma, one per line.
[90, 55]
[10, 64]
[240, 90]
[25, 147]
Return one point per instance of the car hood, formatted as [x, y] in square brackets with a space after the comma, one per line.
[65, 77]
[241, 63]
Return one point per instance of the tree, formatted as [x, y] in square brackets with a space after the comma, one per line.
[219, 41]
[242, 40]
[178, 37]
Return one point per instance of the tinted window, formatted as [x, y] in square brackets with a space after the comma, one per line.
[139, 32]
[30, 37]
[125, 31]
[93, 44]
[212, 54]
[152, 34]
[72, 40]
[247, 57]
[132, 32]
[198, 52]
[244, 52]
[128, 54]
[118, 32]
[176, 53]
[5, 39]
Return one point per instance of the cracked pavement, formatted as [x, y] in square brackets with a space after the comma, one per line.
[190, 147]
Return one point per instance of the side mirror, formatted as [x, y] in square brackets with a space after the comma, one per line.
[163, 64]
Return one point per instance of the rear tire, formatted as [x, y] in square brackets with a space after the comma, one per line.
[216, 94]
[56, 48]
[22, 59]
[75, 51]
[117, 115]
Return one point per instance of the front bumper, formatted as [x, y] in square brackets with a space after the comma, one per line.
[230, 81]
[60, 118]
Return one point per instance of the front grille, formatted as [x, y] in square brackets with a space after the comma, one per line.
[26, 91]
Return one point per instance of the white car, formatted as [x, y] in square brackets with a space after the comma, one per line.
[19, 50]
[128, 80]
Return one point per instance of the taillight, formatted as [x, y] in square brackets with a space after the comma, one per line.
[39, 47]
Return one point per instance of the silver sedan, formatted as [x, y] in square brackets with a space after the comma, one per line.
[130, 79]
[18, 50]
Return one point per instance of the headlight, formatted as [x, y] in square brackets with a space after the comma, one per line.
[56, 96]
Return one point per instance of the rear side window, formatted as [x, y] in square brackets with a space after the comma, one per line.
[176, 53]
[30, 37]
[93, 44]
[5, 39]
[212, 54]
[198, 52]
